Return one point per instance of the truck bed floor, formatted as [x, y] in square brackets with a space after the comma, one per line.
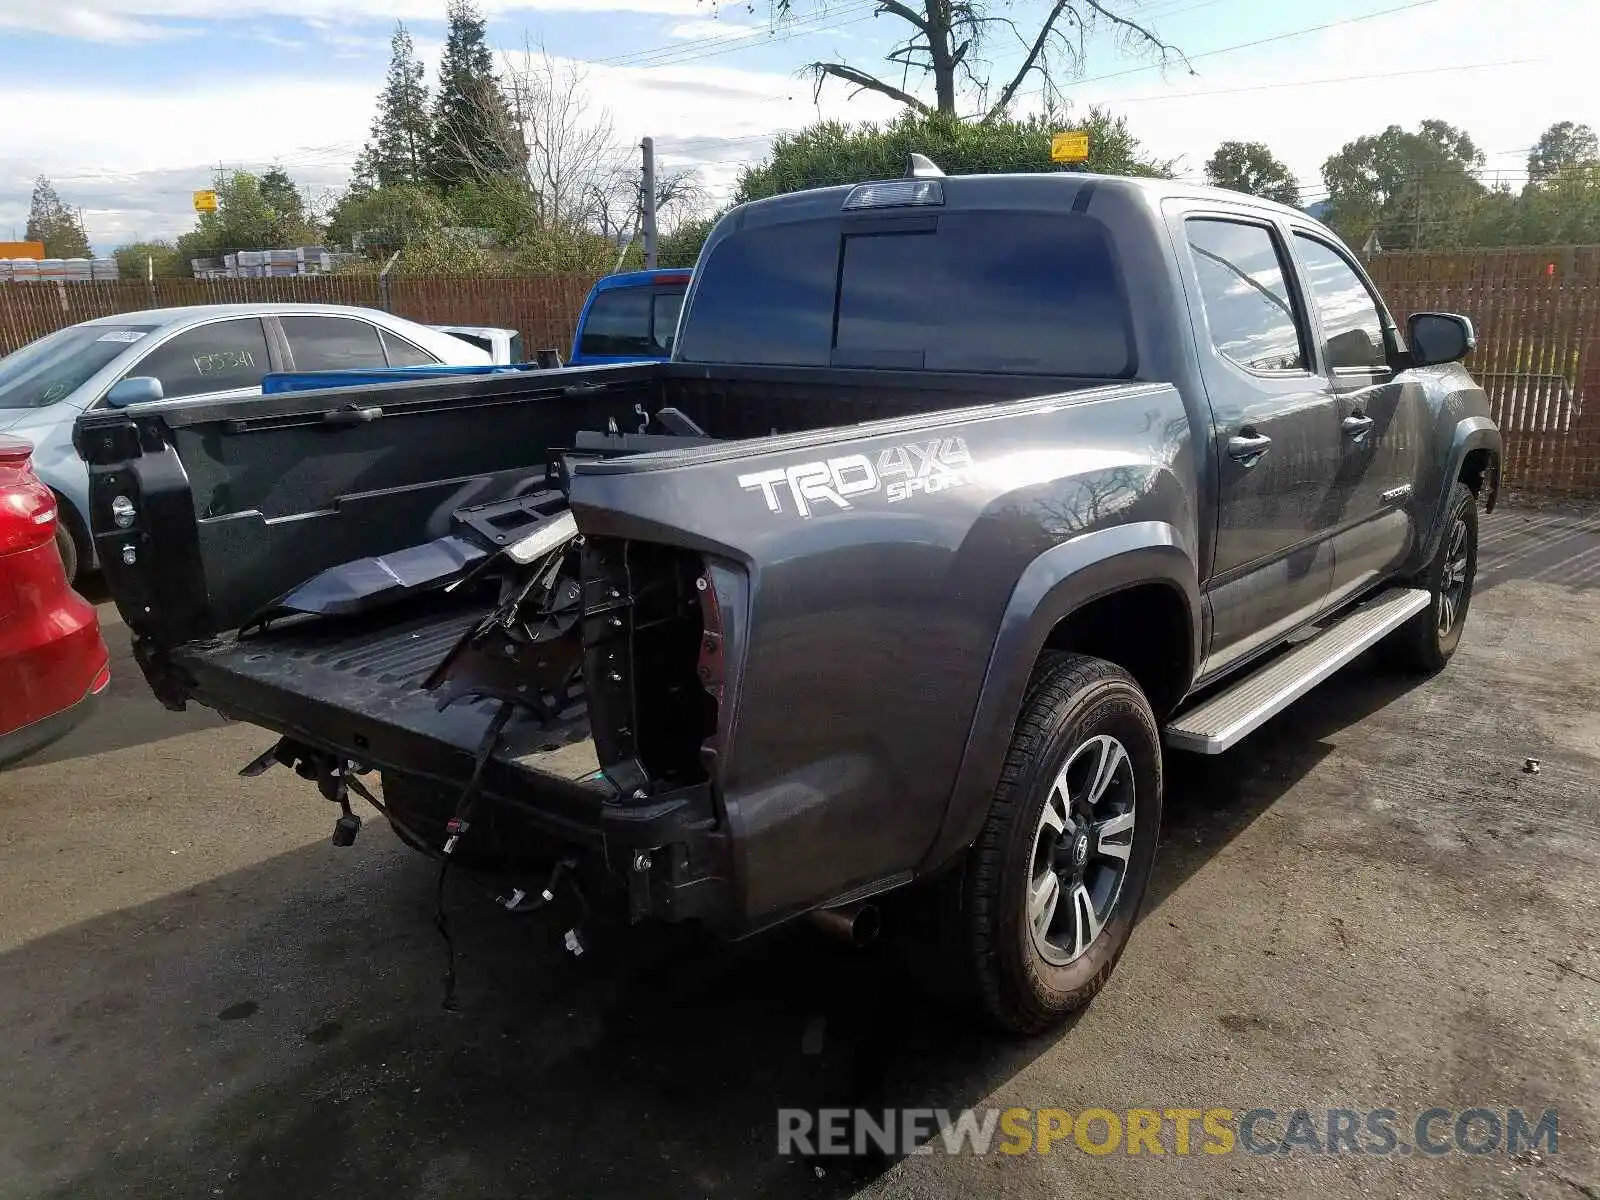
[356, 684]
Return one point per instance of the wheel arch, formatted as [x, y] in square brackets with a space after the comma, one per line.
[1480, 471]
[1093, 594]
[1474, 455]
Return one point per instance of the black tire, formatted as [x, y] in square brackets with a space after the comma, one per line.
[67, 541]
[1427, 641]
[1074, 707]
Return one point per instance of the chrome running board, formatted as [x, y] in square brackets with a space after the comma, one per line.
[1220, 722]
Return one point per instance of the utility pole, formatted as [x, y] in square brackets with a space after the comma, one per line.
[647, 203]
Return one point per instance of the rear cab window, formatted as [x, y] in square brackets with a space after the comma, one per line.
[636, 322]
[1015, 292]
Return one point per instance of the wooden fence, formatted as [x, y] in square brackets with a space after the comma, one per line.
[1537, 313]
[544, 308]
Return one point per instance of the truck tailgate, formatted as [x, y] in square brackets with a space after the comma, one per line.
[355, 687]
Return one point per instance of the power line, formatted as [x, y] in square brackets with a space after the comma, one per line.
[1299, 83]
[671, 53]
[808, 26]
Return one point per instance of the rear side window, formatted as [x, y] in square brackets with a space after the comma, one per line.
[631, 321]
[217, 357]
[1244, 289]
[1016, 292]
[402, 353]
[664, 320]
[1350, 319]
[332, 343]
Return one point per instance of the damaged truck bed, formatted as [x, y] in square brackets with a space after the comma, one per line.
[350, 586]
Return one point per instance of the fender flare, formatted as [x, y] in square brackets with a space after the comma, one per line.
[1053, 586]
[1471, 433]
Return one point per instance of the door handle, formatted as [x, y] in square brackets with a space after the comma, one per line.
[351, 415]
[1357, 426]
[1247, 447]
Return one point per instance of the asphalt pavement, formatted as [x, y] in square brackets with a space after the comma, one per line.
[1372, 903]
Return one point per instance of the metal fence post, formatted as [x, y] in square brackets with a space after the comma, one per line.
[383, 282]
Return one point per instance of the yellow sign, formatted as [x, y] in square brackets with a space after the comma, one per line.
[1069, 147]
[205, 202]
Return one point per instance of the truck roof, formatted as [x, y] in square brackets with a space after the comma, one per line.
[639, 278]
[1000, 191]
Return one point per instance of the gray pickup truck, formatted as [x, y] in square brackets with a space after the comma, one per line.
[958, 497]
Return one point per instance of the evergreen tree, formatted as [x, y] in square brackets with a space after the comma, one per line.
[281, 195]
[53, 223]
[831, 152]
[1562, 147]
[474, 136]
[1417, 191]
[397, 150]
[1251, 168]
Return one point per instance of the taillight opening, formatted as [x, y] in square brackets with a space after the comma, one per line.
[27, 506]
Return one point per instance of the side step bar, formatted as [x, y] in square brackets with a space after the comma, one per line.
[1220, 722]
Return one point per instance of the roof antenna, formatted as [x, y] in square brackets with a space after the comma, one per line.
[920, 166]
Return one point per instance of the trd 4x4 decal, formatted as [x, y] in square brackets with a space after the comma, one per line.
[899, 472]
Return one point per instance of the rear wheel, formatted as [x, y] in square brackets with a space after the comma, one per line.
[68, 540]
[1427, 641]
[1051, 889]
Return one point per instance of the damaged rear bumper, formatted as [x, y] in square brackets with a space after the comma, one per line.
[357, 698]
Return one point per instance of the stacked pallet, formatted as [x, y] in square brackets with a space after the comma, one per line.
[56, 270]
[271, 264]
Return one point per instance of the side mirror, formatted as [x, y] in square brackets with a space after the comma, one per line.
[1437, 338]
[136, 389]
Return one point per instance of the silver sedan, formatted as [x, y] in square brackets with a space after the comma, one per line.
[212, 351]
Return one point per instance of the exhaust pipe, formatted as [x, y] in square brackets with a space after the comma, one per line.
[856, 924]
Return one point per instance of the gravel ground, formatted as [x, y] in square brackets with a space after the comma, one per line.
[1369, 904]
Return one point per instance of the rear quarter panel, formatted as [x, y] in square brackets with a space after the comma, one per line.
[879, 563]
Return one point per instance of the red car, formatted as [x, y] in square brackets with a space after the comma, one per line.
[53, 662]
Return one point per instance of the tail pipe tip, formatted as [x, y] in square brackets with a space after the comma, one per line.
[856, 924]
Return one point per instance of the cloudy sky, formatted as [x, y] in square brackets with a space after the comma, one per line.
[129, 105]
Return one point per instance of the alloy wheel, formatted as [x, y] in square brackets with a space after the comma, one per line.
[1081, 846]
[1453, 581]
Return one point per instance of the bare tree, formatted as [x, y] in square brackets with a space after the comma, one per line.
[573, 169]
[947, 40]
[571, 155]
[680, 197]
